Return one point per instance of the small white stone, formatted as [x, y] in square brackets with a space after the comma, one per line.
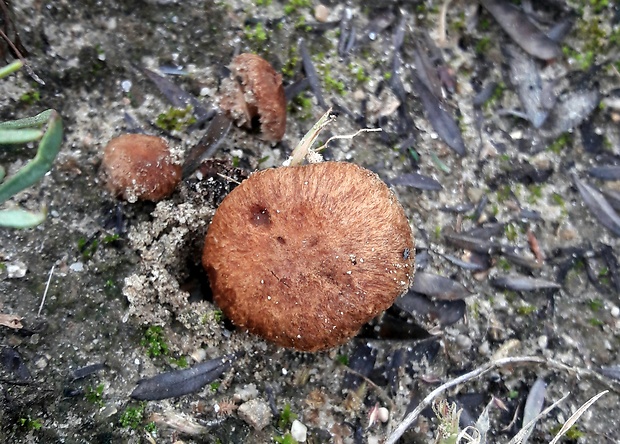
[615, 311]
[484, 349]
[199, 354]
[246, 393]
[543, 341]
[321, 13]
[41, 361]
[256, 413]
[77, 266]
[16, 270]
[383, 414]
[463, 341]
[299, 431]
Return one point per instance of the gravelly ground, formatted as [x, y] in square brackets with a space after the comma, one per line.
[87, 52]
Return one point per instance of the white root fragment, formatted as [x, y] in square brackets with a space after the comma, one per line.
[304, 151]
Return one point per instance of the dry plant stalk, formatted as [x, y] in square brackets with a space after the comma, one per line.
[515, 360]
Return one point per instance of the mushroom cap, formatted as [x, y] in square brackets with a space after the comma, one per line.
[255, 89]
[137, 166]
[305, 255]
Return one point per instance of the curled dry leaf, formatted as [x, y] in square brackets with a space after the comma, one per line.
[599, 206]
[181, 382]
[415, 180]
[439, 287]
[570, 110]
[605, 172]
[11, 321]
[525, 76]
[517, 282]
[521, 30]
[440, 118]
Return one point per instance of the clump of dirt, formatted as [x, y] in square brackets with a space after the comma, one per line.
[170, 247]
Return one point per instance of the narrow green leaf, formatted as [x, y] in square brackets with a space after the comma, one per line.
[19, 218]
[29, 122]
[34, 170]
[10, 68]
[13, 136]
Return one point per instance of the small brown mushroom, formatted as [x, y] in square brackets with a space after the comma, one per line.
[254, 90]
[305, 255]
[137, 166]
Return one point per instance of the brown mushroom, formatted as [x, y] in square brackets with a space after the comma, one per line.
[137, 166]
[305, 255]
[254, 90]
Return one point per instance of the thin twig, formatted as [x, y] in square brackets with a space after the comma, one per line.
[230, 179]
[575, 416]
[19, 55]
[527, 428]
[348, 136]
[441, 28]
[382, 393]
[411, 417]
[47, 286]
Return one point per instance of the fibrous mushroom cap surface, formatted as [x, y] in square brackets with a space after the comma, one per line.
[138, 166]
[255, 90]
[304, 256]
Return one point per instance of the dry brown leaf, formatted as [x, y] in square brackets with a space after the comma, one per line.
[11, 321]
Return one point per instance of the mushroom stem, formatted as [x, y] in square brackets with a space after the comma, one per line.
[303, 147]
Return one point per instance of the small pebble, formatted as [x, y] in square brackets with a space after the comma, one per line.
[615, 311]
[246, 392]
[383, 415]
[199, 355]
[299, 431]
[41, 361]
[16, 270]
[256, 413]
[484, 348]
[463, 341]
[543, 342]
[321, 13]
[107, 412]
[76, 266]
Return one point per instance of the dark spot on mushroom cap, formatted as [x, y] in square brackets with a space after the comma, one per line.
[329, 260]
[254, 90]
[259, 215]
[137, 166]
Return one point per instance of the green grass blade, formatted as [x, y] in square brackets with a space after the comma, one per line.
[14, 136]
[18, 218]
[40, 165]
[28, 122]
[10, 68]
